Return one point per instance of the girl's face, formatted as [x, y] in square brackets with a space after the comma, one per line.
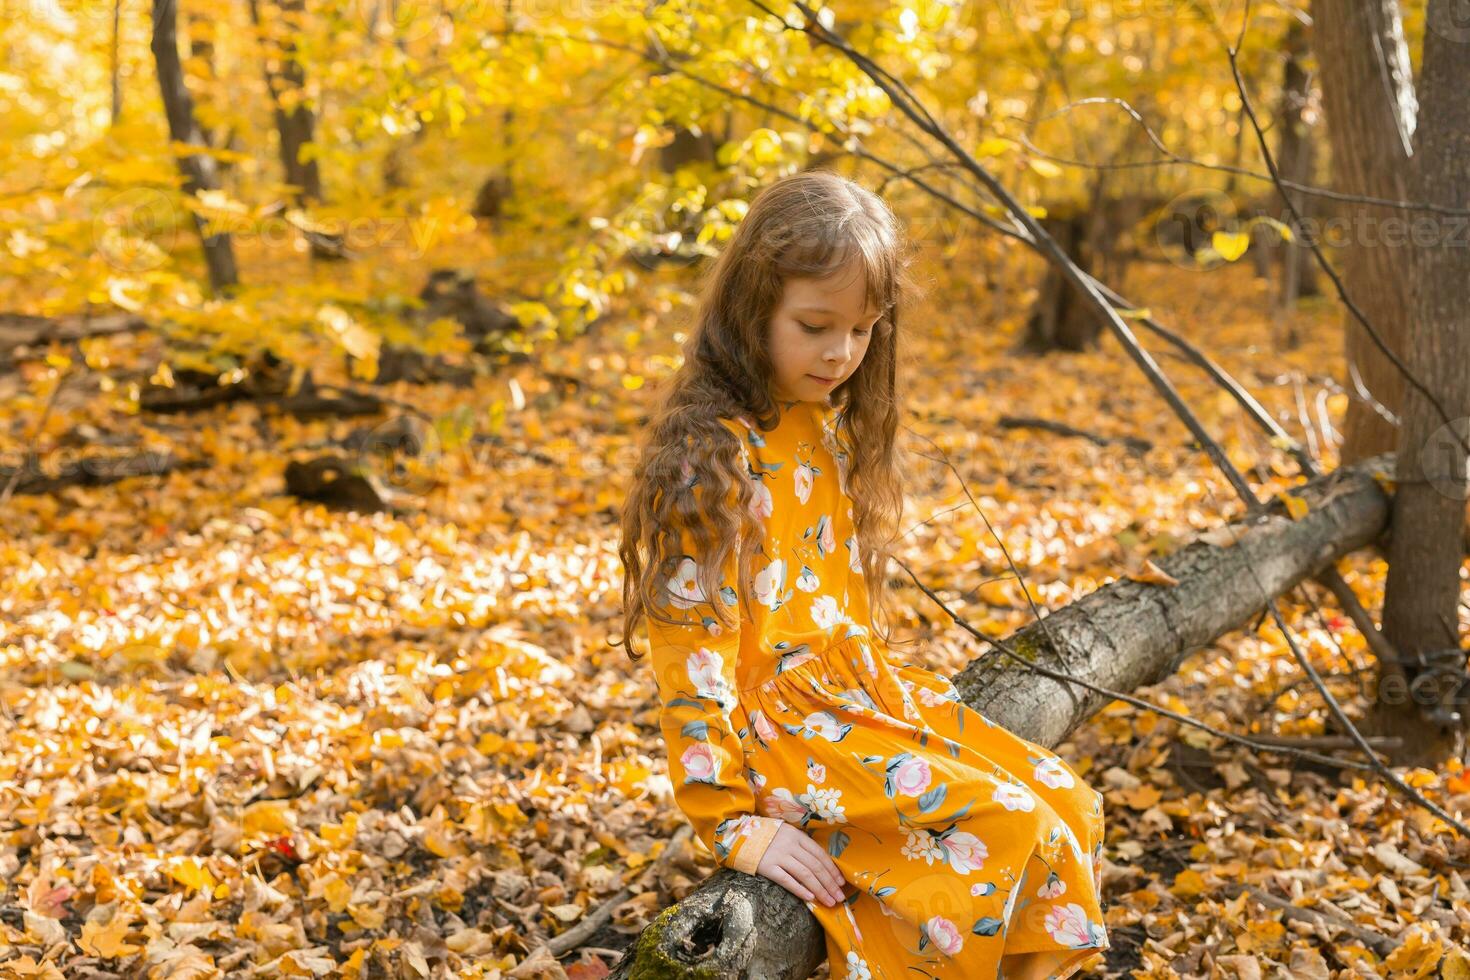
[819, 333]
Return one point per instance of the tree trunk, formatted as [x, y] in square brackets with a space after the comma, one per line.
[1124, 635]
[198, 169]
[1060, 319]
[114, 66]
[1296, 158]
[1368, 97]
[1421, 603]
[285, 79]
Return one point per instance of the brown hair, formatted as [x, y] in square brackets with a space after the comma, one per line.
[690, 474]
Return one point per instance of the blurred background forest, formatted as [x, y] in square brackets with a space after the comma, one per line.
[327, 328]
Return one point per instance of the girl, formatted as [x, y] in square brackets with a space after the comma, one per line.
[923, 837]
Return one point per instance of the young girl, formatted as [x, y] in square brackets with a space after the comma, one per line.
[925, 838]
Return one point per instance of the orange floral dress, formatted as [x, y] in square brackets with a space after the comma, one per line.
[966, 850]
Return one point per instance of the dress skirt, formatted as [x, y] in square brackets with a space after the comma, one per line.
[966, 850]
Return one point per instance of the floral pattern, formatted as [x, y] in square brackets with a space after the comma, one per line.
[966, 850]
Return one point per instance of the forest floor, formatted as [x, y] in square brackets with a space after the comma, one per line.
[237, 728]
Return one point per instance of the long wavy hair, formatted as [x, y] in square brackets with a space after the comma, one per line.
[690, 475]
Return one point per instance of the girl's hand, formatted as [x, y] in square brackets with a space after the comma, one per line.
[797, 863]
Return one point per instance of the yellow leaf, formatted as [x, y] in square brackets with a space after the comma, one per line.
[337, 893]
[441, 844]
[340, 834]
[1417, 955]
[1188, 883]
[998, 592]
[192, 874]
[1141, 797]
[356, 339]
[1230, 245]
[368, 918]
[1152, 574]
[1295, 506]
[994, 147]
[271, 817]
[106, 941]
[1456, 965]
[1044, 168]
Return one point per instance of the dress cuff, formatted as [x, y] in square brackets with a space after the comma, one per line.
[754, 838]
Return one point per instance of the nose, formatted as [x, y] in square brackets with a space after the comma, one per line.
[838, 354]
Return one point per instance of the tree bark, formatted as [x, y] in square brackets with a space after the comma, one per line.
[1368, 97]
[198, 169]
[285, 80]
[114, 65]
[1061, 319]
[1296, 159]
[1124, 635]
[1421, 602]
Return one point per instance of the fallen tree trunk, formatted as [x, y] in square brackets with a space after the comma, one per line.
[1124, 635]
[23, 335]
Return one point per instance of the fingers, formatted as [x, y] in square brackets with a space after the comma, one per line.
[804, 868]
[781, 877]
[819, 876]
[825, 864]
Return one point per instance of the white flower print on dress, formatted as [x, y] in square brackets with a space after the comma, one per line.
[816, 772]
[911, 777]
[762, 505]
[744, 826]
[1052, 774]
[857, 967]
[854, 562]
[765, 729]
[1068, 925]
[1054, 886]
[706, 673]
[825, 803]
[920, 846]
[702, 763]
[1014, 796]
[934, 699]
[1077, 849]
[826, 538]
[945, 936]
[828, 614]
[825, 724]
[802, 477]
[965, 851]
[683, 586]
[807, 581]
[784, 804]
[768, 585]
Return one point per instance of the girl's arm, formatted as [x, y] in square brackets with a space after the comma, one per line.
[702, 719]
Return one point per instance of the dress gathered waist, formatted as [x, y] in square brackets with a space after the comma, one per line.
[754, 677]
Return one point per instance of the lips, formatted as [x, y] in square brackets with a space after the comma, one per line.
[825, 381]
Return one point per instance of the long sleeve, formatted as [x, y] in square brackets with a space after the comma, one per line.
[702, 720]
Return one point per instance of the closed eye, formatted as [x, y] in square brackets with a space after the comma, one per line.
[810, 328]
